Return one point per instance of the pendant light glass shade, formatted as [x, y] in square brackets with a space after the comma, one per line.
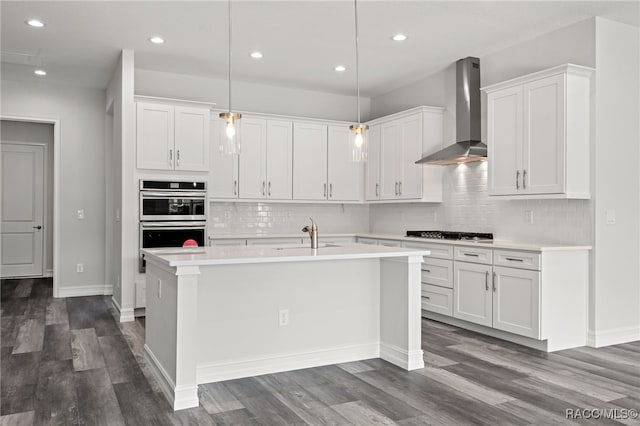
[359, 132]
[359, 139]
[230, 131]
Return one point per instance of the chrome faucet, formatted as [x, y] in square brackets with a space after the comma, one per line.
[313, 233]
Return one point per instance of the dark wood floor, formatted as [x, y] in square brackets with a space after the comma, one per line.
[68, 362]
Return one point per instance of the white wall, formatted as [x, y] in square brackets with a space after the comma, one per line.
[466, 205]
[273, 218]
[41, 133]
[615, 262]
[81, 168]
[249, 96]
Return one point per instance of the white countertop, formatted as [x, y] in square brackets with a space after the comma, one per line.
[230, 255]
[495, 244]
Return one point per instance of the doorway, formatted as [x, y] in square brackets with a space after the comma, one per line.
[26, 203]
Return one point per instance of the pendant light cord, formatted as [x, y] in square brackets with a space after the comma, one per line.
[355, 6]
[229, 11]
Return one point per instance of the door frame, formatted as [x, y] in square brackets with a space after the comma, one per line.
[56, 191]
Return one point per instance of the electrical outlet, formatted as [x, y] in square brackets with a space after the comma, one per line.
[80, 214]
[79, 268]
[435, 216]
[610, 217]
[283, 317]
[159, 289]
[117, 215]
[528, 216]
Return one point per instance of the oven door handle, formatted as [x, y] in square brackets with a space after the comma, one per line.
[172, 225]
[153, 194]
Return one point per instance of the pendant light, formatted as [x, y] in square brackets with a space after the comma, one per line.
[230, 132]
[358, 137]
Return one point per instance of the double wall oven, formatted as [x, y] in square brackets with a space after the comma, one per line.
[171, 213]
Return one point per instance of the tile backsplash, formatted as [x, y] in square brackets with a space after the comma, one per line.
[467, 207]
[274, 218]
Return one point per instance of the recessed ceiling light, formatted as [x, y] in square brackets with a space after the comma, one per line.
[35, 23]
[340, 68]
[156, 40]
[40, 72]
[256, 55]
[399, 37]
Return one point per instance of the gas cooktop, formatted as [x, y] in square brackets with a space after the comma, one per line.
[451, 235]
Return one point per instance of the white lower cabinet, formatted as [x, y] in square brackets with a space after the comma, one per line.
[437, 299]
[516, 301]
[472, 292]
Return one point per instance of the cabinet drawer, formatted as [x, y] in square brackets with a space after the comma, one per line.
[437, 272]
[390, 243]
[517, 259]
[440, 251]
[228, 242]
[274, 241]
[437, 299]
[473, 254]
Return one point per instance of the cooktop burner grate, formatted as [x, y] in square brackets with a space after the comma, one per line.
[450, 235]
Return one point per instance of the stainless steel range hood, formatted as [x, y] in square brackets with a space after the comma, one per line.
[469, 147]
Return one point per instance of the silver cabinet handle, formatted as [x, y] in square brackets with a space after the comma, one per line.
[178, 158]
[427, 297]
[325, 190]
[486, 280]
[171, 157]
[513, 259]
[517, 179]
[235, 187]
[37, 227]
[400, 188]
[471, 254]
[330, 190]
[494, 282]
[427, 270]
[377, 186]
[269, 190]
[264, 186]
[524, 179]
[396, 188]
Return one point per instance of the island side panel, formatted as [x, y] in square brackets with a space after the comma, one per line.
[400, 312]
[333, 307]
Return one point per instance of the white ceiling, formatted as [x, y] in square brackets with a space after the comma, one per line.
[301, 40]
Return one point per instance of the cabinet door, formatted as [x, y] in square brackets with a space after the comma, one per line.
[504, 133]
[154, 136]
[192, 139]
[343, 175]
[372, 188]
[543, 156]
[223, 175]
[309, 161]
[252, 159]
[391, 155]
[472, 292]
[516, 301]
[279, 159]
[410, 173]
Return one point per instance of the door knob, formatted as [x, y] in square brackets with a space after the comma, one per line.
[37, 227]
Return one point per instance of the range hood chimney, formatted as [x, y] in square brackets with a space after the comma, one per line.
[468, 147]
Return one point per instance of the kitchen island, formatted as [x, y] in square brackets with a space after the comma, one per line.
[220, 313]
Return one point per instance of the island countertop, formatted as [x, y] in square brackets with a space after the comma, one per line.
[233, 255]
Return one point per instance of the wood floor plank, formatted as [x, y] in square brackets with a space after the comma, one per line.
[23, 289]
[9, 330]
[534, 414]
[30, 337]
[216, 398]
[235, 418]
[57, 343]
[355, 367]
[56, 312]
[86, 350]
[97, 402]
[18, 419]
[56, 400]
[120, 362]
[140, 407]
[193, 416]
[19, 374]
[361, 414]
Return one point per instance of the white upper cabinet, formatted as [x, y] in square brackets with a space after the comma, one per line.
[343, 175]
[223, 176]
[372, 178]
[170, 137]
[265, 159]
[395, 143]
[309, 161]
[538, 130]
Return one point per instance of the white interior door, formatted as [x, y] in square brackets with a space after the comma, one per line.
[22, 210]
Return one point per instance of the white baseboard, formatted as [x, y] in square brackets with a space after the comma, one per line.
[615, 336]
[125, 315]
[407, 360]
[85, 290]
[180, 397]
[48, 273]
[208, 373]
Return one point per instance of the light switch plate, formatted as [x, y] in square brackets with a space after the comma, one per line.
[80, 214]
[528, 216]
[610, 217]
